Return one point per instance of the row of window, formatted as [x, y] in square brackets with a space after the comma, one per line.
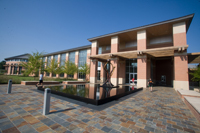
[24, 60]
[81, 61]
[15, 70]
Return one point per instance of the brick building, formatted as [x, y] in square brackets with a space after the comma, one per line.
[13, 66]
[157, 51]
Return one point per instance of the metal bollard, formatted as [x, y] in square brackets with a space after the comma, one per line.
[47, 96]
[9, 86]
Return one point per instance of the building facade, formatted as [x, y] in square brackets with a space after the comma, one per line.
[13, 66]
[157, 51]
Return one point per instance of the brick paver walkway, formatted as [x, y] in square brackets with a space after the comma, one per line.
[159, 111]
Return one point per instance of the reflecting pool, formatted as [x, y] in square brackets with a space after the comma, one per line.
[91, 93]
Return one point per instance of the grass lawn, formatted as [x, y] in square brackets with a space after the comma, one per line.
[17, 79]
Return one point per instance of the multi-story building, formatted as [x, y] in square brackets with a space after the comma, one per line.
[13, 66]
[157, 51]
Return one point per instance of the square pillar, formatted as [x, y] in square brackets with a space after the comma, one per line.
[179, 34]
[45, 65]
[93, 71]
[88, 63]
[13, 68]
[9, 67]
[114, 44]
[142, 71]
[76, 62]
[92, 91]
[141, 40]
[114, 77]
[93, 64]
[181, 79]
[141, 60]
[103, 73]
[66, 59]
[50, 74]
[58, 75]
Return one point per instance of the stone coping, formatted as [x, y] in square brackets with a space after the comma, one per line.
[35, 82]
[190, 93]
[194, 101]
[74, 82]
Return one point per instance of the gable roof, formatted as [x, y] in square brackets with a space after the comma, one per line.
[22, 56]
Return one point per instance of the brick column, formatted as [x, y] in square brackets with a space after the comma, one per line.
[58, 75]
[66, 59]
[141, 60]
[88, 63]
[115, 61]
[181, 80]
[93, 65]
[103, 73]
[45, 65]
[18, 70]
[76, 62]
[50, 74]
[9, 67]
[92, 91]
[13, 68]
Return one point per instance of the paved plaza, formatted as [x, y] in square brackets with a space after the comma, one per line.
[159, 111]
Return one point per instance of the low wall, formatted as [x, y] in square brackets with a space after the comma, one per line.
[35, 82]
[74, 82]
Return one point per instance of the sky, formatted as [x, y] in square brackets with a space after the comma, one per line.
[47, 26]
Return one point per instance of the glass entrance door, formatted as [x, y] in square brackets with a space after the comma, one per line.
[131, 76]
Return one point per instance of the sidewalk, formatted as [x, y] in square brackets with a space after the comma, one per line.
[159, 111]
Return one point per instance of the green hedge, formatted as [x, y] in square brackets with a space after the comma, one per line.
[17, 79]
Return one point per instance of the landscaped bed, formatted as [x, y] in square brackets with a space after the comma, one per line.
[17, 79]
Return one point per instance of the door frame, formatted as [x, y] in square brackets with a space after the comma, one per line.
[130, 80]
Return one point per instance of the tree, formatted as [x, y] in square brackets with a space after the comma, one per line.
[53, 67]
[33, 65]
[84, 69]
[2, 63]
[70, 68]
[196, 75]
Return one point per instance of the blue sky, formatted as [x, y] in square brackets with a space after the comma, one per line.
[28, 26]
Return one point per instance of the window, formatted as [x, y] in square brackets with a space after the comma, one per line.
[55, 57]
[20, 70]
[81, 75]
[62, 62]
[131, 67]
[62, 59]
[15, 69]
[82, 57]
[99, 52]
[108, 47]
[81, 61]
[72, 57]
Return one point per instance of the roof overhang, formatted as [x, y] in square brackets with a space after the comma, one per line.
[156, 52]
[187, 19]
[194, 57]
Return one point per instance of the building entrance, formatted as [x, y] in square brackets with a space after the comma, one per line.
[131, 70]
[133, 78]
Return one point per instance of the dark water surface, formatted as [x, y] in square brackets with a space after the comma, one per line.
[91, 93]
